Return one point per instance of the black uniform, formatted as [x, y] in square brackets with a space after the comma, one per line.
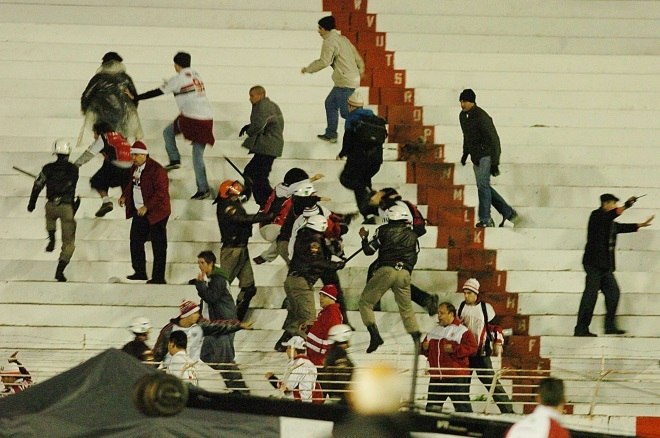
[235, 231]
[310, 259]
[60, 179]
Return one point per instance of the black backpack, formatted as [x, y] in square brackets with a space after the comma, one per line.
[371, 131]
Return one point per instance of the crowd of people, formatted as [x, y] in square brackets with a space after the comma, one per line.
[302, 231]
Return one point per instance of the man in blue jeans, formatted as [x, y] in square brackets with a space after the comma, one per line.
[348, 67]
[195, 120]
[482, 144]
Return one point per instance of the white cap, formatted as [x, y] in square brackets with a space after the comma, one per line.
[472, 284]
[356, 99]
[296, 342]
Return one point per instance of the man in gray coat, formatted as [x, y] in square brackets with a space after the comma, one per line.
[265, 140]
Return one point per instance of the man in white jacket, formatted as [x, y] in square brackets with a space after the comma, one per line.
[178, 363]
[337, 52]
[476, 314]
[544, 422]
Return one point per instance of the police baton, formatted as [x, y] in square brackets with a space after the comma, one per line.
[231, 163]
[348, 259]
[24, 172]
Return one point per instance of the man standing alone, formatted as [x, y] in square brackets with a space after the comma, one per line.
[147, 201]
[482, 144]
[348, 67]
[265, 140]
[598, 262]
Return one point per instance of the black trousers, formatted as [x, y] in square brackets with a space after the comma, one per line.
[456, 388]
[485, 375]
[256, 177]
[141, 231]
[598, 279]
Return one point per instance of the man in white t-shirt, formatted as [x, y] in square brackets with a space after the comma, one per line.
[178, 363]
[476, 314]
[195, 120]
[299, 380]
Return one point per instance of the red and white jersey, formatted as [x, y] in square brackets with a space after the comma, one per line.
[190, 94]
[542, 423]
[19, 385]
[317, 341]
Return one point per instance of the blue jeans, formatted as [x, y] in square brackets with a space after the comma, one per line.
[197, 157]
[337, 100]
[487, 194]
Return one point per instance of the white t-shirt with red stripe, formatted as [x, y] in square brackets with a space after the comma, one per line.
[544, 422]
[190, 94]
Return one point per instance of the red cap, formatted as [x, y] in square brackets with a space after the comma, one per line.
[330, 290]
[187, 308]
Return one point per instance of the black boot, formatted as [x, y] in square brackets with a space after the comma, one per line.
[243, 301]
[51, 241]
[278, 345]
[375, 341]
[59, 273]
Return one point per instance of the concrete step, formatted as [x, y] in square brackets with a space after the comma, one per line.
[543, 238]
[536, 196]
[178, 231]
[601, 347]
[571, 260]
[184, 251]
[553, 136]
[548, 81]
[15, 207]
[562, 303]
[307, 150]
[573, 281]
[276, 5]
[638, 326]
[521, 8]
[566, 175]
[498, 97]
[536, 25]
[572, 218]
[527, 63]
[217, 168]
[87, 56]
[589, 118]
[82, 273]
[208, 18]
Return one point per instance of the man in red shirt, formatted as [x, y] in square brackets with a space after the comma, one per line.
[317, 342]
[147, 201]
[448, 348]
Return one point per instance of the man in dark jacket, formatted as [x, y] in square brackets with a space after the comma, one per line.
[110, 97]
[309, 261]
[60, 179]
[265, 140]
[397, 248]
[217, 304]
[363, 160]
[235, 231]
[598, 262]
[147, 201]
[380, 201]
[482, 144]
